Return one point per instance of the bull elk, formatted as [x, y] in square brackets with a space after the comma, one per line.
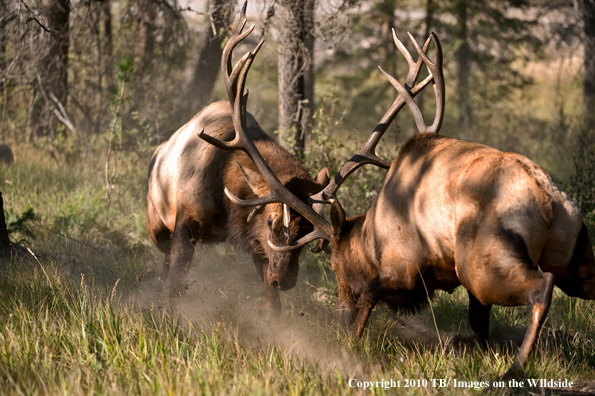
[449, 213]
[185, 202]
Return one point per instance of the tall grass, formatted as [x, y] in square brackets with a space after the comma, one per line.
[61, 337]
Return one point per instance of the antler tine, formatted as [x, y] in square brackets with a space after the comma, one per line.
[314, 235]
[235, 96]
[228, 73]
[435, 69]
[367, 153]
[413, 71]
[233, 41]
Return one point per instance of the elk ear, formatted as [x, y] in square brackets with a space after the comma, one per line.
[323, 177]
[254, 180]
[338, 217]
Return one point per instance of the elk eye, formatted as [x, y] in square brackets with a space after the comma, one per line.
[270, 221]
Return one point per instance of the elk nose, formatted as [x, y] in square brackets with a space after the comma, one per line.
[274, 282]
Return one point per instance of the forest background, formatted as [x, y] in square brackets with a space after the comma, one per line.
[88, 89]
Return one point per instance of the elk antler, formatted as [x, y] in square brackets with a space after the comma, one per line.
[367, 153]
[435, 70]
[235, 80]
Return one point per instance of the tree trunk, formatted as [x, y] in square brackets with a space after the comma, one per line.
[387, 49]
[143, 54]
[107, 42]
[94, 18]
[309, 74]
[463, 59]
[210, 48]
[4, 240]
[52, 70]
[294, 60]
[589, 62]
[3, 22]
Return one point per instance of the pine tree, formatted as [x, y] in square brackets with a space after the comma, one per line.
[488, 36]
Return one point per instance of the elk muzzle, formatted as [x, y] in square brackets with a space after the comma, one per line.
[283, 269]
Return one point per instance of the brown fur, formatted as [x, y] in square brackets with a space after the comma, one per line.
[454, 213]
[186, 204]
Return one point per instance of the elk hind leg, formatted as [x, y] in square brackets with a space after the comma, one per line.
[509, 278]
[521, 286]
[540, 298]
[584, 261]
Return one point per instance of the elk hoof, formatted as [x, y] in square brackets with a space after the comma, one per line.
[178, 290]
[269, 313]
[343, 317]
[356, 332]
[514, 372]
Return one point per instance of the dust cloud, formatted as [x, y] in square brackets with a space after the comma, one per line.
[225, 289]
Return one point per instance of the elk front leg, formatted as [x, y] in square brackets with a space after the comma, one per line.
[165, 269]
[160, 235]
[479, 319]
[370, 296]
[180, 259]
[346, 306]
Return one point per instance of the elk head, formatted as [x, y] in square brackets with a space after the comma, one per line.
[270, 221]
[276, 223]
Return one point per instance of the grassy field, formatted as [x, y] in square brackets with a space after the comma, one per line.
[84, 312]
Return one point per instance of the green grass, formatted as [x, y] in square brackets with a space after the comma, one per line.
[63, 336]
[87, 315]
